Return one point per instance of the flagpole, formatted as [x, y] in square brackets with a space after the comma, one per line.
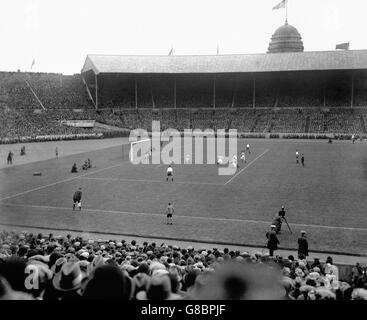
[286, 11]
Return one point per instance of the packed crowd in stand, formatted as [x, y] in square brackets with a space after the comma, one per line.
[244, 120]
[288, 108]
[28, 123]
[55, 91]
[21, 123]
[66, 267]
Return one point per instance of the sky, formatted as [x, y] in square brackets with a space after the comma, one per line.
[58, 35]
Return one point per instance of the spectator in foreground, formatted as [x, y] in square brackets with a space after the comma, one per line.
[235, 281]
[7, 292]
[108, 283]
[159, 288]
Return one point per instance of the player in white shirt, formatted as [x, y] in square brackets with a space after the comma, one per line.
[169, 173]
[248, 148]
[243, 157]
[234, 161]
[297, 156]
[220, 161]
[147, 155]
[188, 159]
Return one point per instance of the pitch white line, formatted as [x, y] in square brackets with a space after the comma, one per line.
[155, 181]
[180, 216]
[61, 181]
[237, 174]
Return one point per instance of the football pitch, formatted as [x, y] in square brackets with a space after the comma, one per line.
[327, 197]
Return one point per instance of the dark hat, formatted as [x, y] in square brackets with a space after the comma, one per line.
[69, 278]
[53, 258]
[159, 288]
[108, 282]
[56, 267]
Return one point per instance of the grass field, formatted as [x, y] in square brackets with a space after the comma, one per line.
[327, 197]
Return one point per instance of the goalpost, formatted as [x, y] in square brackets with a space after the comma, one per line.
[136, 148]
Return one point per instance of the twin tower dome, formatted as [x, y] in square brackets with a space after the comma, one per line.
[286, 39]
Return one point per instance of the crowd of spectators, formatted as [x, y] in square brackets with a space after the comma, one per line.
[34, 266]
[343, 121]
[289, 121]
[61, 95]
[55, 91]
[24, 122]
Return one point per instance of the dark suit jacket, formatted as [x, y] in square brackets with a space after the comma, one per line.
[272, 240]
[303, 246]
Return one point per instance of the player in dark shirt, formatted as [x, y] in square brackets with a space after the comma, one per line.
[10, 158]
[77, 199]
[303, 160]
[74, 168]
[169, 211]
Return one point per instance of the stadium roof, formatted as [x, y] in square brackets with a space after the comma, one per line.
[243, 63]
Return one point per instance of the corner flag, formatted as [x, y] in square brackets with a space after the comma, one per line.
[171, 52]
[33, 63]
[280, 5]
[342, 46]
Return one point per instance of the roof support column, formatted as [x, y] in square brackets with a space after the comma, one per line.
[174, 93]
[151, 93]
[352, 92]
[234, 93]
[324, 91]
[214, 93]
[96, 85]
[136, 93]
[254, 93]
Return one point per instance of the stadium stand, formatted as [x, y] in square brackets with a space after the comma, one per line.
[285, 103]
[76, 268]
[289, 121]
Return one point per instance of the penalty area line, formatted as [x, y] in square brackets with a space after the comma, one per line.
[244, 168]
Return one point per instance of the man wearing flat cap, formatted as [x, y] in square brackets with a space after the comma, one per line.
[272, 242]
[303, 244]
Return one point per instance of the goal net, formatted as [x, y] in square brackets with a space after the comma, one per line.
[137, 150]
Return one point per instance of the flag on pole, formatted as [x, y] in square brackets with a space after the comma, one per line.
[33, 62]
[280, 5]
[171, 52]
[217, 49]
[342, 46]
